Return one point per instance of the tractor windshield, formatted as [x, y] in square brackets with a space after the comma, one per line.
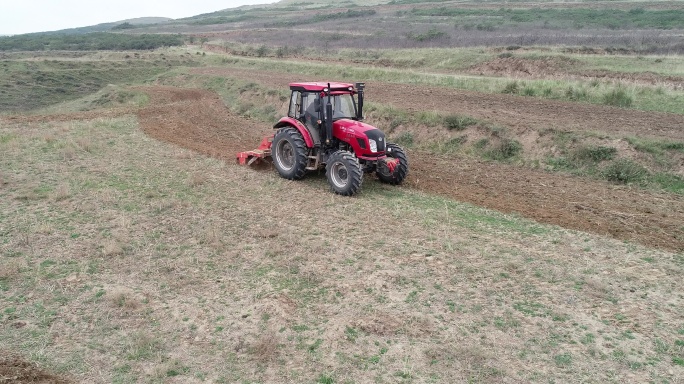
[343, 105]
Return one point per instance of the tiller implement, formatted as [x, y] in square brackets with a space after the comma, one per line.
[324, 128]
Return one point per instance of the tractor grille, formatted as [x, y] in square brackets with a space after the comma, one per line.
[379, 137]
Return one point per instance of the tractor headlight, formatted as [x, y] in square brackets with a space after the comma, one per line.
[373, 145]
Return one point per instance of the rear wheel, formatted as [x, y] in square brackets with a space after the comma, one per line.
[344, 173]
[396, 176]
[289, 153]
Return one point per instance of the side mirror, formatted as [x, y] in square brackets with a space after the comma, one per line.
[317, 105]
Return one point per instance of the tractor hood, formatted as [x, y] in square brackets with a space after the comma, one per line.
[346, 126]
[365, 139]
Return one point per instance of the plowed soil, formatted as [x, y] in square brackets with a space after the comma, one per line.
[198, 120]
[14, 370]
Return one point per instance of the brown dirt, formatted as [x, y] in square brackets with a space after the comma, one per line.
[198, 120]
[14, 370]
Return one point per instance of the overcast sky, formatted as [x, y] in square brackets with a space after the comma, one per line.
[24, 16]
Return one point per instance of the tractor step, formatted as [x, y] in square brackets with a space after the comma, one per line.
[250, 157]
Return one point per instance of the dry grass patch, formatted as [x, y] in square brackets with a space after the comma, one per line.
[62, 192]
[85, 144]
[124, 299]
[68, 153]
[111, 247]
[266, 347]
[197, 179]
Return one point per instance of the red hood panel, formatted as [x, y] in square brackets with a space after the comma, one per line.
[350, 126]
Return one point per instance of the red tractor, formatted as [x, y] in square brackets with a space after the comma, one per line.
[324, 127]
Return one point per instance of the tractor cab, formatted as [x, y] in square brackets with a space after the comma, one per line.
[309, 104]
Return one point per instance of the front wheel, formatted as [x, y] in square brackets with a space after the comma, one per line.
[344, 173]
[395, 172]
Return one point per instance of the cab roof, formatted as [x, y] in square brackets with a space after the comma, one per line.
[318, 87]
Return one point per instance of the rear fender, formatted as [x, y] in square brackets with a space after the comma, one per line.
[290, 122]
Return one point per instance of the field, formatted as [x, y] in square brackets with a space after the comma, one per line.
[538, 238]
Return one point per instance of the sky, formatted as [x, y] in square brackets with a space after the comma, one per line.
[25, 16]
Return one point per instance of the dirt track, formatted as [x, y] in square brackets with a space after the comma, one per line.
[198, 120]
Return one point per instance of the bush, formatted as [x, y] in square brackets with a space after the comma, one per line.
[262, 51]
[595, 154]
[504, 150]
[575, 94]
[624, 171]
[618, 98]
[511, 88]
[432, 34]
[458, 122]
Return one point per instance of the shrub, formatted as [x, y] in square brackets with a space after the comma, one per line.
[618, 98]
[480, 144]
[432, 34]
[504, 150]
[595, 153]
[575, 94]
[528, 91]
[511, 88]
[458, 122]
[624, 171]
[262, 51]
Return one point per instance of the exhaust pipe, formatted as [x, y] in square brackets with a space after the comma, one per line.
[359, 90]
[328, 119]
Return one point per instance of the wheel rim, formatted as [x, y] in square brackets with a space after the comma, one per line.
[285, 155]
[339, 175]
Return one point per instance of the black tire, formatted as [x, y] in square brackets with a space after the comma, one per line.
[400, 171]
[288, 151]
[344, 173]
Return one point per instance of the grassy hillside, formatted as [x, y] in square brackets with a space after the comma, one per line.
[27, 84]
